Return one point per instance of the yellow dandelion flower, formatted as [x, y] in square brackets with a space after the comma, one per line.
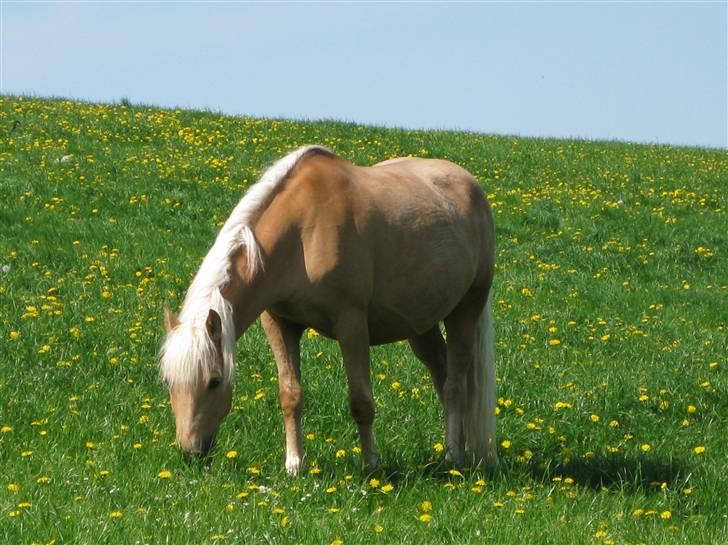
[506, 444]
[340, 453]
[374, 483]
[387, 488]
[331, 490]
[455, 473]
[6, 429]
[666, 515]
[378, 528]
[438, 447]
[165, 474]
[116, 514]
[231, 454]
[14, 487]
[426, 506]
[425, 517]
[699, 449]
[595, 418]
[646, 447]
[337, 541]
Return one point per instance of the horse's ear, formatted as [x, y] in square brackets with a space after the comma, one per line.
[170, 320]
[214, 326]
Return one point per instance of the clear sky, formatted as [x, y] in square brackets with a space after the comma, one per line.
[638, 71]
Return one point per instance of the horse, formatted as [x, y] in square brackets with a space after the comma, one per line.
[363, 255]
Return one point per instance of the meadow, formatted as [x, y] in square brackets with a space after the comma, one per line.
[610, 306]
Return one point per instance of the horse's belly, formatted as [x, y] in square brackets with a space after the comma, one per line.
[386, 326]
[408, 305]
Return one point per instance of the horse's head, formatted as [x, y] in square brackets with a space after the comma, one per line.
[199, 380]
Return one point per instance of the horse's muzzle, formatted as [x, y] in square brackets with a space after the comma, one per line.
[204, 447]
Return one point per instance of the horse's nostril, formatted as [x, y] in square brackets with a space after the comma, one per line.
[206, 444]
[193, 453]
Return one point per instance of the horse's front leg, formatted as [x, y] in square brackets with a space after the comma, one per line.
[284, 339]
[352, 334]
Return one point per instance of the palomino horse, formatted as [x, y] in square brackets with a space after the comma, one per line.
[365, 255]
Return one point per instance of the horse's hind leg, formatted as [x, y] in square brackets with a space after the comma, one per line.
[461, 329]
[353, 336]
[284, 340]
[430, 349]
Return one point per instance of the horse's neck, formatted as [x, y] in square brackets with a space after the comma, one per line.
[246, 295]
[250, 293]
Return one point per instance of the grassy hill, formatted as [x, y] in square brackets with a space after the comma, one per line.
[610, 320]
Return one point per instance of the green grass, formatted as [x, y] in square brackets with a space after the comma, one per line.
[610, 321]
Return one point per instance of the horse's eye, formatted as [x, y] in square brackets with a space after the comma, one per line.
[214, 383]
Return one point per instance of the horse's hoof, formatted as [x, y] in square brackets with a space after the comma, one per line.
[455, 461]
[293, 465]
[371, 463]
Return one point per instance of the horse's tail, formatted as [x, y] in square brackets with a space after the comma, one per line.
[479, 419]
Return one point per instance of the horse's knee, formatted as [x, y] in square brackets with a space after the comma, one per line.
[291, 399]
[362, 408]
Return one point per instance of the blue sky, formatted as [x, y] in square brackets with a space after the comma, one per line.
[638, 71]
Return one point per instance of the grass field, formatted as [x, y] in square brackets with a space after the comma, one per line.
[611, 307]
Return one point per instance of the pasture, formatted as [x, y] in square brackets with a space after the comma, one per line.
[610, 305]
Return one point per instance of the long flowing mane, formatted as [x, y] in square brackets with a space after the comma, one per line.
[187, 346]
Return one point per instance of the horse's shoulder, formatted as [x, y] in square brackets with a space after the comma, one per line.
[319, 184]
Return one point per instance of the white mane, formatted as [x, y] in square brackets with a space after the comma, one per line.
[187, 346]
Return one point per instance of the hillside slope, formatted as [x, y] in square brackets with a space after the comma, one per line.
[610, 321]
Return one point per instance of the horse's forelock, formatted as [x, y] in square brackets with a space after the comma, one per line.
[186, 351]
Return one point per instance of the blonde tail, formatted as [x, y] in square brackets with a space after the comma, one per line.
[479, 421]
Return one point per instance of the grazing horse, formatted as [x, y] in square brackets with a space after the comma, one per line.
[364, 255]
